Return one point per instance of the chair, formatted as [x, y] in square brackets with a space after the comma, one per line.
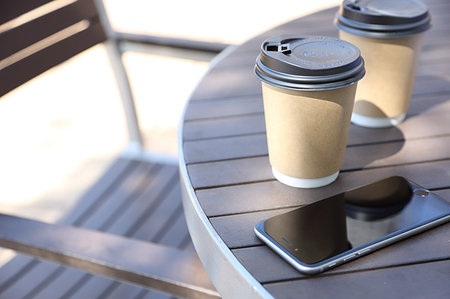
[97, 237]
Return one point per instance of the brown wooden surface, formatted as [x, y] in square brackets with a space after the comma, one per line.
[153, 265]
[14, 8]
[225, 150]
[139, 200]
[39, 44]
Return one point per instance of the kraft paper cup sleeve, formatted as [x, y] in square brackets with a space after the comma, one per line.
[308, 86]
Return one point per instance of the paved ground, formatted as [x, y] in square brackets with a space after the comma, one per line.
[57, 138]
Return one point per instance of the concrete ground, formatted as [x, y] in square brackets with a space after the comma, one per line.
[57, 137]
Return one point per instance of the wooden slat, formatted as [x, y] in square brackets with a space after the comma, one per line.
[314, 24]
[280, 269]
[231, 107]
[153, 295]
[93, 218]
[220, 108]
[37, 63]
[274, 195]
[222, 173]
[125, 218]
[247, 170]
[100, 190]
[11, 9]
[44, 26]
[177, 231]
[431, 110]
[436, 3]
[430, 120]
[161, 216]
[225, 148]
[397, 153]
[233, 82]
[440, 69]
[431, 54]
[154, 197]
[118, 260]
[146, 205]
[122, 290]
[415, 281]
[237, 230]
[424, 247]
[59, 286]
[128, 189]
[130, 215]
[84, 285]
[321, 23]
[87, 290]
[444, 194]
[22, 264]
[240, 82]
[240, 125]
[434, 54]
[160, 227]
[253, 145]
[13, 270]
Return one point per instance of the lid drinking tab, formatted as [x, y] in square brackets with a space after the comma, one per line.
[383, 18]
[309, 63]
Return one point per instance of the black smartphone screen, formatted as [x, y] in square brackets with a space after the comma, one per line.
[324, 229]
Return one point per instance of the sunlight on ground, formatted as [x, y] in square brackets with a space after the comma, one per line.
[232, 21]
[70, 111]
[160, 105]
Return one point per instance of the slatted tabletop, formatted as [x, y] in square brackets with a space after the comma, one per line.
[229, 187]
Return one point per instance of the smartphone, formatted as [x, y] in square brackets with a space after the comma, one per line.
[335, 230]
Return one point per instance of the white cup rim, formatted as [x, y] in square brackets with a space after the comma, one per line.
[304, 183]
[376, 122]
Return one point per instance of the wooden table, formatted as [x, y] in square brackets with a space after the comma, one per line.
[228, 184]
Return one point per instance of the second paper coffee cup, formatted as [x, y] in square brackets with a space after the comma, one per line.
[309, 85]
[389, 35]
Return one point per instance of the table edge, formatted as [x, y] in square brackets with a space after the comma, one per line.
[203, 234]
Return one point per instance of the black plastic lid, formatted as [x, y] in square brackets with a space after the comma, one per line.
[309, 63]
[383, 18]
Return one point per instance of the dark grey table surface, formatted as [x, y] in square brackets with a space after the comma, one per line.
[228, 185]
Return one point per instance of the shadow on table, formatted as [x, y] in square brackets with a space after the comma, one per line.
[429, 109]
[380, 144]
[430, 91]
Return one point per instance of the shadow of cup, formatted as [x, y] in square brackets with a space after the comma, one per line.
[369, 147]
[368, 108]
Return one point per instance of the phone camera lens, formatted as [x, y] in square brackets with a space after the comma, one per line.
[421, 192]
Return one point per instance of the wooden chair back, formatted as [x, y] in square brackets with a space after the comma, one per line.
[36, 35]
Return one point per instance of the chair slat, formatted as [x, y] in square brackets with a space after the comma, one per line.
[11, 9]
[109, 255]
[36, 29]
[38, 62]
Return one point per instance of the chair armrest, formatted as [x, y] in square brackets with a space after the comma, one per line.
[180, 43]
[147, 264]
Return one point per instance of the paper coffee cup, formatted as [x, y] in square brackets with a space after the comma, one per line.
[389, 36]
[308, 84]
